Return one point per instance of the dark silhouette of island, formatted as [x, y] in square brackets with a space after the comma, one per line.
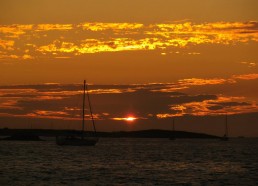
[155, 133]
[33, 134]
[22, 137]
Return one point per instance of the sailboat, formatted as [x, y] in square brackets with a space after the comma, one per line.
[173, 137]
[83, 139]
[225, 137]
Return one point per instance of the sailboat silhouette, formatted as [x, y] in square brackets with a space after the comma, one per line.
[82, 140]
[225, 136]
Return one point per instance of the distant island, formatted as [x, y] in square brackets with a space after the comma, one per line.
[22, 137]
[27, 134]
[155, 133]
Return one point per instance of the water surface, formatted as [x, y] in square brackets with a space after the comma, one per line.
[131, 162]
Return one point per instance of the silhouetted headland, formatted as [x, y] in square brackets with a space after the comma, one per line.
[23, 137]
[153, 133]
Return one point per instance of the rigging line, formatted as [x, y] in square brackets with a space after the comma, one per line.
[92, 118]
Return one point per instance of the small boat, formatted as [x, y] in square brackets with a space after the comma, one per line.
[83, 139]
[173, 136]
[76, 141]
[225, 136]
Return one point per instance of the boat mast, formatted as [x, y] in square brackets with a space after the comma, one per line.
[83, 107]
[92, 119]
[226, 126]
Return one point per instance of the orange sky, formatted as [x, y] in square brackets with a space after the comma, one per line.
[199, 48]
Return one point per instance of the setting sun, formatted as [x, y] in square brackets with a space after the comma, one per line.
[130, 118]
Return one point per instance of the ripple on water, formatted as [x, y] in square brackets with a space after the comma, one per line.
[131, 162]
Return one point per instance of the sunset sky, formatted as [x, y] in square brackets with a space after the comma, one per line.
[144, 60]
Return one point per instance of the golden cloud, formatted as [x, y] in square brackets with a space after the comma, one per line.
[17, 92]
[110, 26]
[198, 81]
[246, 76]
[187, 83]
[47, 27]
[15, 30]
[7, 44]
[220, 106]
[116, 37]
[249, 64]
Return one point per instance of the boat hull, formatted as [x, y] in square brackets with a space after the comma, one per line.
[74, 141]
[224, 139]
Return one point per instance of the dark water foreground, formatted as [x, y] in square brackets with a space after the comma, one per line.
[131, 162]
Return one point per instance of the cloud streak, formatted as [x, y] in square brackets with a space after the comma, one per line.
[142, 101]
[66, 40]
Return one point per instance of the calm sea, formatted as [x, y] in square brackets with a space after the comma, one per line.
[131, 162]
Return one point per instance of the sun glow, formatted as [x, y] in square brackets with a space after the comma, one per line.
[130, 118]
